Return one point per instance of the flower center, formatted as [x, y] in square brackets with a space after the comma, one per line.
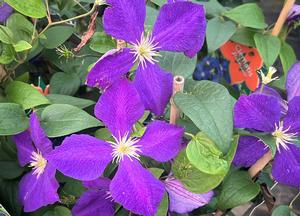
[38, 163]
[125, 146]
[145, 50]
[283, 138]
[266, 79]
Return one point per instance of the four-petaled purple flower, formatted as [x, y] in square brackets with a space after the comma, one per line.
[39, 187]
[84, 157]
[180, 27]
[5, 11]
[265, 113]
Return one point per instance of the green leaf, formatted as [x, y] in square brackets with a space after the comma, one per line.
[151, 16]
[57, 35]
[103, 134]
[268, 47]
[209, 105]
[248, 15]
[7, 55]
[193, 179]
[73, 187]
[21, 27]
[205, 156]
[25, 95]
[238, 188]
[178, 63]
[9, 196]
[283, 210]
[12, 119]
[22, 45]
[287, 57]
[218, 32]
[66, 99]
[62, 119]
[6, 35]
[58, 211]
[163, 207]
[212, 7]
[102, 42]
[31, 8]
[244, 36]
[9, 164]
[64, 83]
[159, 2]
[156, 172]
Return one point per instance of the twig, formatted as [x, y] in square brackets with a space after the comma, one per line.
[178, 84]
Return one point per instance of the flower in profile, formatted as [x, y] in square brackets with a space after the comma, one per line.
[95, 200]
[265, 113]
[84, 157]
[39, 187]
[5, 11]
[266, 79]
[183, 201]
[180, 27]
[294, 14]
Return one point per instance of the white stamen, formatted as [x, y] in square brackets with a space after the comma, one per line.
[145, 50]
[125, 146]
[266, 79]
[38, 163]
[283, 138]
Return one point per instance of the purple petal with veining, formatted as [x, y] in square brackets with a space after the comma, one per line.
[136, 189]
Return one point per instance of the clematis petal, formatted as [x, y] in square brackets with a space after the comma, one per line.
[5, 11]
[155, 87]
[24, 147]
[136, 188]
[100, 183]
[292, 118]
[81, 157]
[180, 27]
[36, 192]
[38, 135]
[161, 141]
[272, 92]
[181, 200]
[93, 202]
[293, 81]
[120, 107]
[110, 68]
[125, 19]
[249, 150]
[286, 166]
[257, 111]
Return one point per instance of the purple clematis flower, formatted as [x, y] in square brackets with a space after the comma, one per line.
[39, 187]
[95, 200]
[265, 113]
[5, 11]
[183, 201]
[180, 27]
[84, 157]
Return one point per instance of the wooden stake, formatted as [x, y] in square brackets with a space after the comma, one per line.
[178, 85]
[282, 17]
[121, 44]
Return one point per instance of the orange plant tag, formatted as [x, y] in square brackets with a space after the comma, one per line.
[244, 62]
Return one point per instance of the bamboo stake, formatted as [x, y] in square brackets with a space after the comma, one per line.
[178, 85]
[262, 162]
